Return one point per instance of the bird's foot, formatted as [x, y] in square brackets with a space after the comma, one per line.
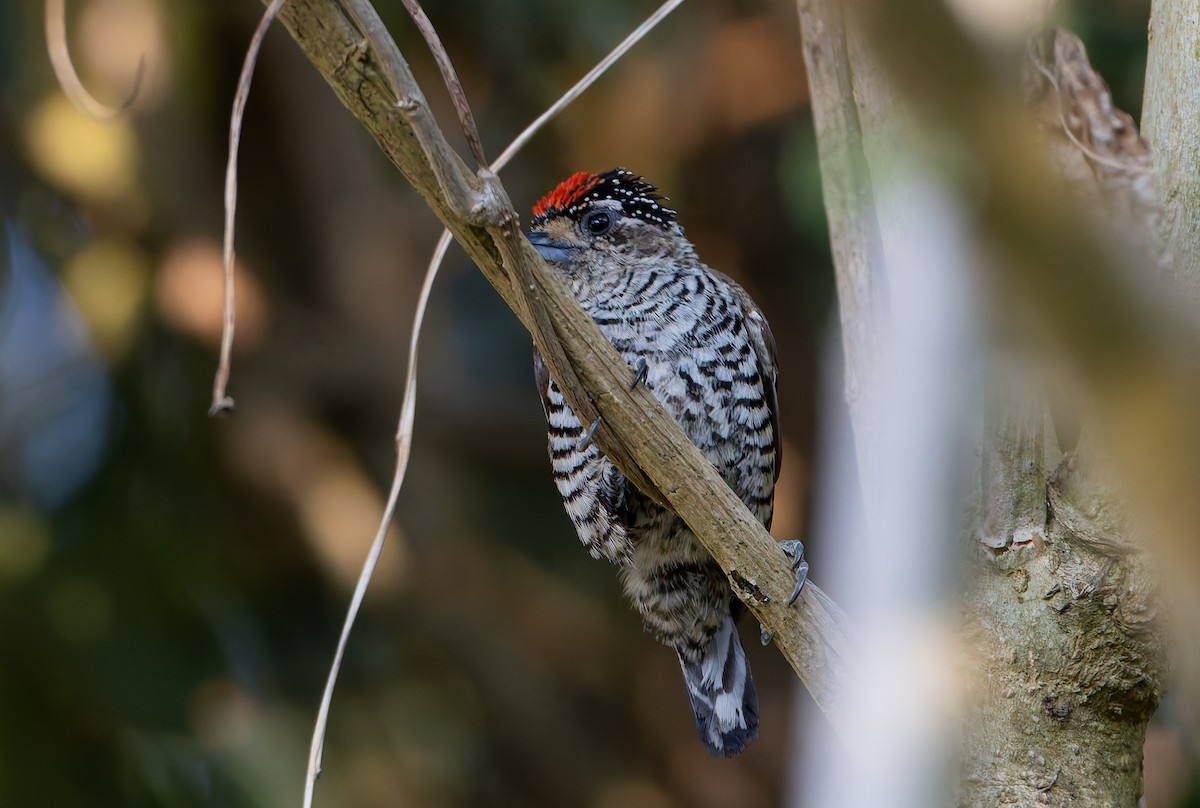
[586, 439]
[640, 375]
[794, 550]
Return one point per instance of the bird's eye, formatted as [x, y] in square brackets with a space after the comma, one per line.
[598, 222]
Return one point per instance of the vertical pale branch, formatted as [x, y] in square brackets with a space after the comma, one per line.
[1169, 123]
[846, 186]
[1170, 114]
[897, 246]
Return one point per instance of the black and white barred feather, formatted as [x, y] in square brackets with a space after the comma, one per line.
[710, 360]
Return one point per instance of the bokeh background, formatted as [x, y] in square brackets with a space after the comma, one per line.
[172, 586]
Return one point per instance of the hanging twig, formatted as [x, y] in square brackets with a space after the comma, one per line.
[64, 68]
[404, 436]
[221, 402]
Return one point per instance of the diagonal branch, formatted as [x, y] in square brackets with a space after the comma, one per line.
[637, 434]
[466, 118]
[457, 186]
[404, 430]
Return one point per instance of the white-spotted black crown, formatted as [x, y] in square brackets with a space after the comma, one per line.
[574, 196]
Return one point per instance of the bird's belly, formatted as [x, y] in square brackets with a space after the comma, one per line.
[714, 415]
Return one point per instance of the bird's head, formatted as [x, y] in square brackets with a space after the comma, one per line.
[594, 223]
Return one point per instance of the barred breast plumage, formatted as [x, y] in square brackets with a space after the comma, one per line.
[707, 355]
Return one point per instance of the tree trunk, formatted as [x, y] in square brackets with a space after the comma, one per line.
[1060, 607]
[1067, 658]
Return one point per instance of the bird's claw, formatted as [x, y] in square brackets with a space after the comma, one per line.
[794, 550]
[640, 375]
[586, 439]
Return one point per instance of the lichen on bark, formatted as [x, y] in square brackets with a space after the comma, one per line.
[1069, 656]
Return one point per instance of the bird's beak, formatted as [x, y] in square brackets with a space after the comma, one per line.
[555, 252]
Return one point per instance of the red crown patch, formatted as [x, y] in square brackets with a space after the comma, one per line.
[637, 198]
[569, 192]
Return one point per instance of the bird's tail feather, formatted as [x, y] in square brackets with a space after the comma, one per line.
[722, 694]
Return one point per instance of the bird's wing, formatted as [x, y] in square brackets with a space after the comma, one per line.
[594, 491]
[768, 357]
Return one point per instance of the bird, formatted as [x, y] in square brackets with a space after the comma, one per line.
[703, 348]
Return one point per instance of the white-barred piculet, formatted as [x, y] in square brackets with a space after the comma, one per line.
[703, 348]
